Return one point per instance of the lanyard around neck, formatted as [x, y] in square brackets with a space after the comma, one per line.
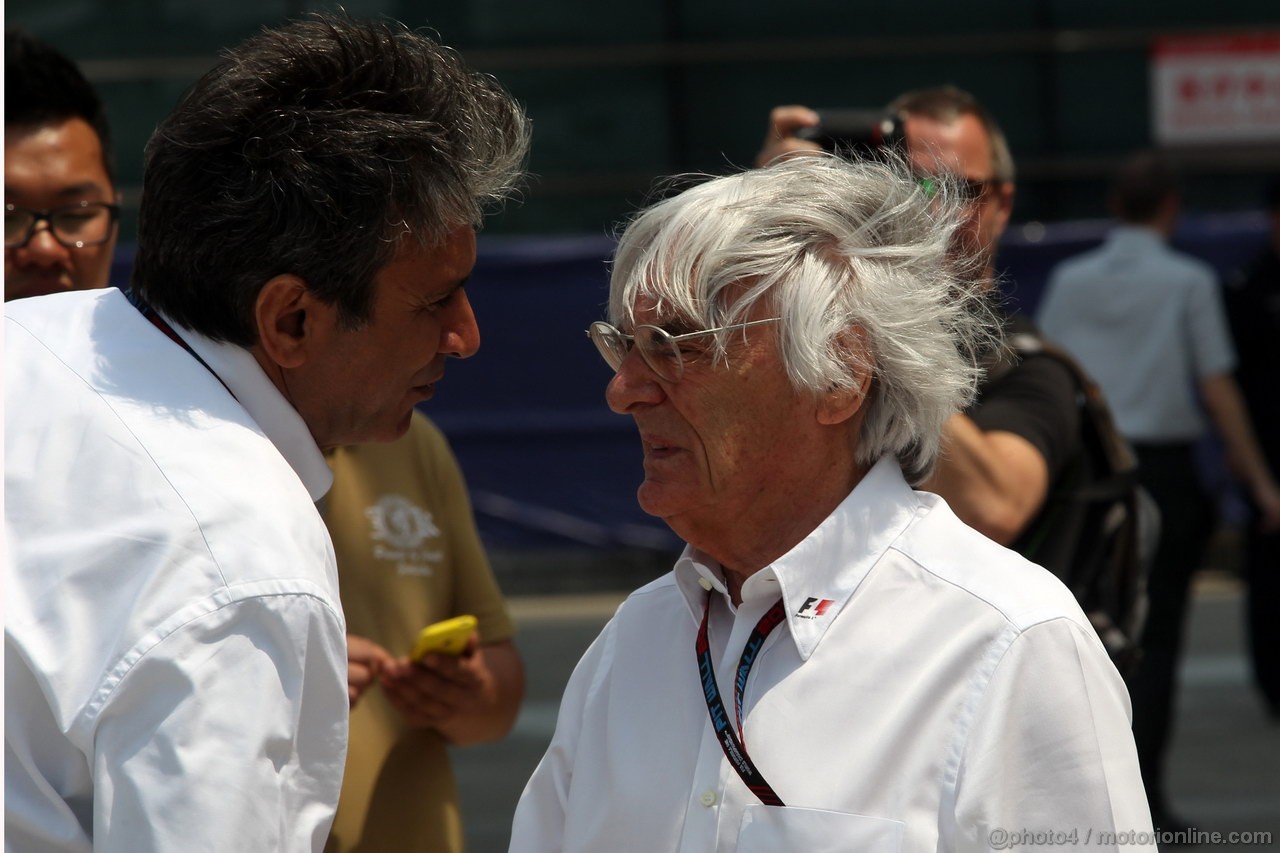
[731, 741]
[160, 323]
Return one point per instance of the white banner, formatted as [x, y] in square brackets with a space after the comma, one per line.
[1216, 89]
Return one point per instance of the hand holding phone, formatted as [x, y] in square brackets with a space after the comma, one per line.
[448, 637]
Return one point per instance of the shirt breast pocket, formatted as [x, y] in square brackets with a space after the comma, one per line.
[775, 829]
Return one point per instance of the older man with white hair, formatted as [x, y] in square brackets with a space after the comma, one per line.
[835, 662]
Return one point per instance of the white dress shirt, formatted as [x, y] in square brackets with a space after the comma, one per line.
[931, 690]
[175, 657]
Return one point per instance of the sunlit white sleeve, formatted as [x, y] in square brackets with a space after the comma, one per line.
[228, 734]
[1050, 759]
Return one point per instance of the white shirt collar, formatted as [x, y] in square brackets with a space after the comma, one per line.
[819, 576]
[1127, 235]
[274, 415]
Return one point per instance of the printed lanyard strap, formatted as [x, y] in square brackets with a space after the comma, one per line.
[730, 741]
[159, 322]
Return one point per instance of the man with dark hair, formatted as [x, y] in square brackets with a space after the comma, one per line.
[1148, 323]
[175, 660]
[1002, 455]
[61, 204]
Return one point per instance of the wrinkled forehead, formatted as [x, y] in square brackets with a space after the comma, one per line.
[959, 146]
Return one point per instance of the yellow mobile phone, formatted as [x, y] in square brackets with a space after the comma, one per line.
[448, 637]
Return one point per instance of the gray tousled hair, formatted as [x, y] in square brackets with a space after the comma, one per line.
[854, 257]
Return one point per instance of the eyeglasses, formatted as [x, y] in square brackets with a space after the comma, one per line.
[660, 349]
[970, 189]
[88, 223]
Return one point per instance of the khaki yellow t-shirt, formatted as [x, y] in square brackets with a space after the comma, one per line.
[408, 555]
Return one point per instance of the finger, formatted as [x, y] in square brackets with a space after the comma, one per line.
[418, 708]
[452, 669]
[359, 675]
[366, 652]
[424, 686]
[784, 121]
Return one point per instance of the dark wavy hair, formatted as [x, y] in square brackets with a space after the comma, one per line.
[314, 149]
[41, 86]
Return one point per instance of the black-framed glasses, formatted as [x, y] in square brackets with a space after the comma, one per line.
[660, 349]
[86, 223]
[971, 189]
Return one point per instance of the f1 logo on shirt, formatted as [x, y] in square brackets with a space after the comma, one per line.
[814, 608]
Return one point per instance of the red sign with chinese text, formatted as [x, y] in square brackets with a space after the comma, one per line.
[1216, 89]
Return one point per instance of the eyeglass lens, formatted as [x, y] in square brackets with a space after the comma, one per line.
[971, 189]
[656, 346]
[75, 226]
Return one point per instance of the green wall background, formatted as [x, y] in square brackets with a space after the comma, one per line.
[624, 92]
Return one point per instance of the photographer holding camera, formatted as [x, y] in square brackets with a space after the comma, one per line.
[1003, 455]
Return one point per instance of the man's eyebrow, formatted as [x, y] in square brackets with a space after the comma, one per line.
[92, 189]
[678, 326]
[88, 188]
[449, 291]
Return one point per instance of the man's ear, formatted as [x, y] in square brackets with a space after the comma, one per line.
[286, 313]
[839, 404]
[1004, 205]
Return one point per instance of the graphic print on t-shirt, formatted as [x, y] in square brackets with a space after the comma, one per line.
[401, 530]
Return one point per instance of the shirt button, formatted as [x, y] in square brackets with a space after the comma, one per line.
[708, 798]
[705, 584]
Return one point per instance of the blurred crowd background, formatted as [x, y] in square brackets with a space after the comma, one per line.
[622, 94]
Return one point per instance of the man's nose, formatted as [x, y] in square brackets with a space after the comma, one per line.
[42, 249]
[634, 385]
[461, 336]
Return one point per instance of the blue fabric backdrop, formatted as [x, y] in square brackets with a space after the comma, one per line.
[548, 464]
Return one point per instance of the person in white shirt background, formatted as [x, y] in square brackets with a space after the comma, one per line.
[835, 662]
[175, 659]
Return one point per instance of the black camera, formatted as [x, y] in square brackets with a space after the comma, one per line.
[854, 134]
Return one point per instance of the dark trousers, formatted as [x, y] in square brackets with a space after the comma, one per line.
[1262, 572]
[1186, 521]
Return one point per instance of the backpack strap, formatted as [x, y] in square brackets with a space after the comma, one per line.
[1119, 455]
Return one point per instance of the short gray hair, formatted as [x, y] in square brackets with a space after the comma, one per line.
[854, 258]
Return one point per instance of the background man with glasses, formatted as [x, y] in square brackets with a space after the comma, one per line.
[61, 203]
[1003, 454]
[835, 662]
